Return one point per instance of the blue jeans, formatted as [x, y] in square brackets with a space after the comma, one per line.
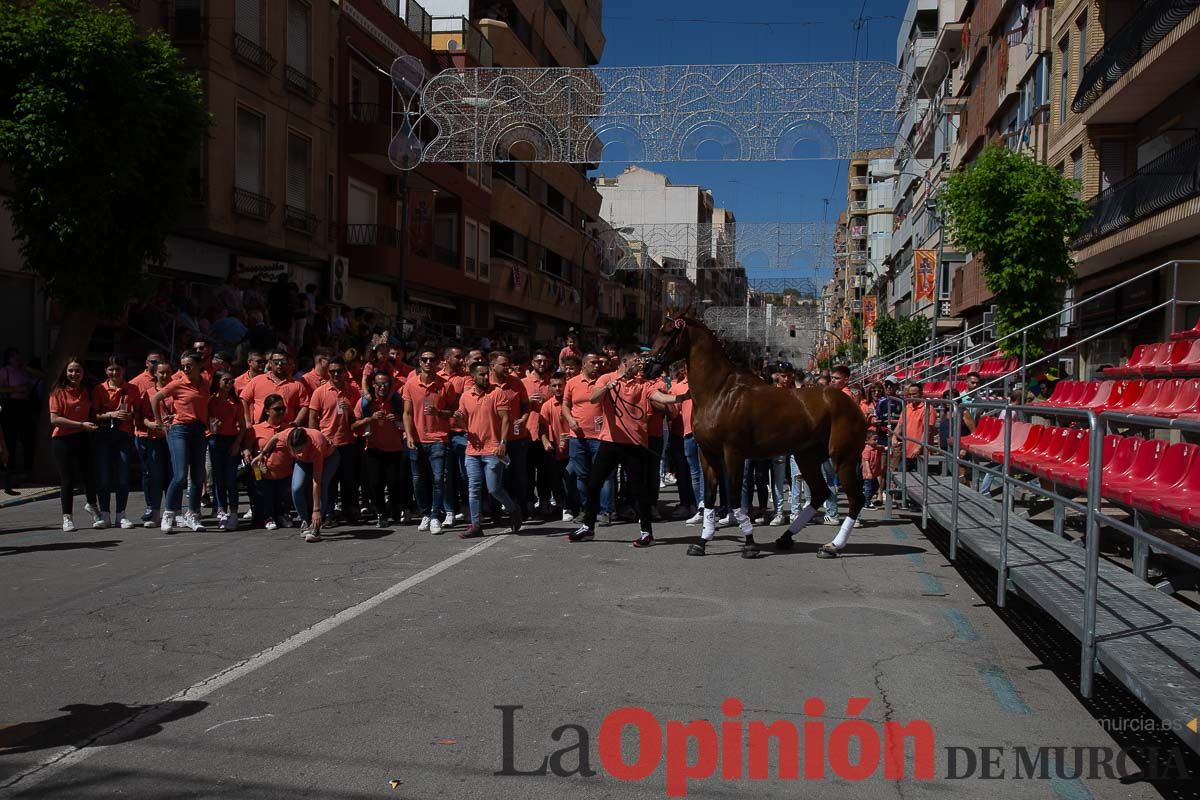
[270, 499]
[830, 480]
[113, 450]
[485, 471]
[582, 454]
[691, 451]
[156, 463]
[302, 478]
[186, 443]
[224, 472]
[428, 462]
[516, 474]
[755, 476]
[456, 472]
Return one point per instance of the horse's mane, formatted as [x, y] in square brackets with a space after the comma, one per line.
[691, 321]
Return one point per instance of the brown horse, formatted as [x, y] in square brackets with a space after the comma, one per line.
[736, 415]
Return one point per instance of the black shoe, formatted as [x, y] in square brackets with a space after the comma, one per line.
[751, 551]
[580, 534]
[696, 549]
[645, 540]
[784, 542]
[473, 532]
[515, 519]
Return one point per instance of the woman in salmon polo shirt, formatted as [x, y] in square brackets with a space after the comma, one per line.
[226, 427]
[273, 469]
[114, 403]
[71, 430]
[316, 462]
[185, 439]
[157, 458]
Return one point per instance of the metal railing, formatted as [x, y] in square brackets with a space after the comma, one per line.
[1167, 180]
[414, 16]
[252, 53]
[370, 235]
[251, 204]
[464, 35]
[301, 84]
[1149, 26]
[369, 113]
[299, 220]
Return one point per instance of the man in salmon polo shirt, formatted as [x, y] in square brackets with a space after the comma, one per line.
[332, 409]
[454, 496]
[144, 381]
[483, 410]
[519, 439]
[276, 380]
[320, 371]
[429, 403]
[586, 421]
[623, 399]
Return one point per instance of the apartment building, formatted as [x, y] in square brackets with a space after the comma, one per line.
[1125, 111]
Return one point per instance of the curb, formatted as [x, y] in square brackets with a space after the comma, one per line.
[44, 494]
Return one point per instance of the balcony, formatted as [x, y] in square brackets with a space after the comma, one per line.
[253, 54]
[296, 81]
[1120, 58]
[446, 255]
[1166, 181]
[859, 181]
[456, 35]
[299, 220]
[414, 17]
[367, 133]
[249, 204]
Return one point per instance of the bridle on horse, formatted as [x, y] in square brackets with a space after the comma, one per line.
[680, 326]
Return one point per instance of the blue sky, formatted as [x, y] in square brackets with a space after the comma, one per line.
[651, 32]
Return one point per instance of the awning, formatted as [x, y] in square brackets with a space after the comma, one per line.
[424, 299]
[511, 317]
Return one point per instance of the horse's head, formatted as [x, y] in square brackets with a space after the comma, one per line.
[670, 345]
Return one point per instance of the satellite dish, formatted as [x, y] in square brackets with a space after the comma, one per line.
[408, 74]
[405, 149]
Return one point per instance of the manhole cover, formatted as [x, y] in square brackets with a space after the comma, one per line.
[671, 606]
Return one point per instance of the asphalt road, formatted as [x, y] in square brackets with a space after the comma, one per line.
[253, 665]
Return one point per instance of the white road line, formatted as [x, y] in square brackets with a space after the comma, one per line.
[51, 765]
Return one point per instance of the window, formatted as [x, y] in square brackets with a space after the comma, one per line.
[189, 19]
[485, 253]
[445, 237]
[1077, 169]
[297, 36]
[944, 281]
[360, 205]
[1081, 29]
[248, 169]
[472, 169]
[552, 263]
[330, 206]
[1064, 78]
[555, 201]
[248, 20]
[297, 172]
[485, 176]
[1112, 162]
[471, 247]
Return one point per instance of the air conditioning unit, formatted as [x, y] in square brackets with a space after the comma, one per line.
[945, 309]
[339, 278]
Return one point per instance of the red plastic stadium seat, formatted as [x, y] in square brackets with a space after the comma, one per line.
[1025, 438]
[1187, 400]
[1185, 358]
[985, 433]
[1172, 468]
[1122, 487]
[1075, 473]
[1123, 458]
[1120, 394]
[1160, 362]
[1190, 333]
[1145, 401]
[1088, 394]
[1064, 392]
[1183, 502]
[1067, 454]
[967, 369]
[1131, 366]
[1047, 451]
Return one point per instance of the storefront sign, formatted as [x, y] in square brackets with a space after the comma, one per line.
[247, 268]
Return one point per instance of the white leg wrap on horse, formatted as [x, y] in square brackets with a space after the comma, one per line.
[843, 534]
[710, 524]
[743, 521]
[803, 518]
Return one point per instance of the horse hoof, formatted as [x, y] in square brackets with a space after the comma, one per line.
[827, 551]
[695, 550]
[751, 552]
[783, 543]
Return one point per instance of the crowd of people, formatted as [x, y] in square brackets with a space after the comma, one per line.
[448, 437]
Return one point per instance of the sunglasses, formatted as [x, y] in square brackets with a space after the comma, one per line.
[335, 372]
[274, 409]
[279, 360]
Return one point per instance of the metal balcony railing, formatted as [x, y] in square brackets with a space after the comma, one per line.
[371, 235]
[250, 204]
[460, 34]
[299, 220]
[414, 17]
[296, 81]
[1149, 26]
[369, 113]
[859, 181]
[858, 205]
[1167, 180]
[251, 53]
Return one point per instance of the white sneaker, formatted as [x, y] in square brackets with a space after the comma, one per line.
[776, 520]
[125, 523]
[831, 521]
[221, 515]
[696, 518]
[460, 517]
[760, 520]
[192, 521]
[101, 521]
[168, 521]
[662, 483]
[435, 525]
[68, 523]
[148, 522]
[403, 518]
[271, 525]
[448, 522]
[311, 535]
[424, 526]
[90, 510]
[567, 516]
[725, 521]
[858, 523]
[248, 516]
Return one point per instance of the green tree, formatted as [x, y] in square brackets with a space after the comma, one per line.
[1016, 216]
[98, 123]
[894, 335]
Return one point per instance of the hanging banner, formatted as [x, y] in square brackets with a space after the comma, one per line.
[847, 329]
[517, 277]
[420, 223]
[870, 310]
[924, 272]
